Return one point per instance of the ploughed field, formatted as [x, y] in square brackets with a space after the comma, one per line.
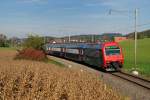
[143, 55]
[25, 79]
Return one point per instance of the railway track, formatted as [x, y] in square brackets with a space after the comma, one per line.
[134, 79]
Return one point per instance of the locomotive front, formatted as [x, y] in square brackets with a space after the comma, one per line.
[113, 57]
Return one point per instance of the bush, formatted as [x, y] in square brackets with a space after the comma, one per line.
[3, 44]
[35, 42]
[32, 54]
[140, 36]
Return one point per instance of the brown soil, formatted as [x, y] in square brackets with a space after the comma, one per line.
[32, 80]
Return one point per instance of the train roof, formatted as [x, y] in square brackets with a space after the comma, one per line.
[77, 45]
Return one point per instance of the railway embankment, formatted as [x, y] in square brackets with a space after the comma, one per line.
[127, 88]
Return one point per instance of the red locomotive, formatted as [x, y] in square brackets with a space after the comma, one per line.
[107, 55]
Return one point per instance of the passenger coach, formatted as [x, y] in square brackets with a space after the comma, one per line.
[106, 55]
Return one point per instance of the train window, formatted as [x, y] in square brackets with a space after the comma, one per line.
[112, 50]
[92, 52]
[56, 49]
[74, 51]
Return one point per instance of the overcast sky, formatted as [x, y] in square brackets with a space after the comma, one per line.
[64, 17]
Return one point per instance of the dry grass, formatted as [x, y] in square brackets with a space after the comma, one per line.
[31, 80]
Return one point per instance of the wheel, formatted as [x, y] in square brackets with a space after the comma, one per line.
[116, 66]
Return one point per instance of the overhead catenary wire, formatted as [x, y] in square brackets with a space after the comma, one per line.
[130, 27]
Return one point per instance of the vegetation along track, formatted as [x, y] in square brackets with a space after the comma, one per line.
[134, 79]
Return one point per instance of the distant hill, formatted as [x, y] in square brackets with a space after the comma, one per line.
[84, 38]
[141, 35]
[93, 37]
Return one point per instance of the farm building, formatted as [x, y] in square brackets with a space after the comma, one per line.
[119, 39]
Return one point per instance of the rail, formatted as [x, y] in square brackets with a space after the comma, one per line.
[134, 79]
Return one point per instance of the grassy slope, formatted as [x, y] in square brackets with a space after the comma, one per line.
[143, 55]
[6, 48]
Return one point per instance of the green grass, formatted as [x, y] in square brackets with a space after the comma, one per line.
[6, 48]
[55, 62]
[143, 55]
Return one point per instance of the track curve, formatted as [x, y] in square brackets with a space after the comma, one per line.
[134, 79]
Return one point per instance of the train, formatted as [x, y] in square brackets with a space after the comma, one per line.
[107, 55]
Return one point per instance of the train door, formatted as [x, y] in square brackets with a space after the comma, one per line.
[80, 54]
[92, 56]
[100, 58]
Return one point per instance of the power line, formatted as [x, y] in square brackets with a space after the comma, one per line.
[143, 24]
[131, 27]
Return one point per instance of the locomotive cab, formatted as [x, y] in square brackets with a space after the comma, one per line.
[113, 57]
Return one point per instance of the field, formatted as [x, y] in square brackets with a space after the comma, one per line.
[32, 80]
[143, 55]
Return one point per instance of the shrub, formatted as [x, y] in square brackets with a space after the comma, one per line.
[4, 44]
[32, 54]
[35, 42]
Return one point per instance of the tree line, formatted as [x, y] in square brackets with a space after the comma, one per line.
[36, 41]
[3, 41]
[140, 35]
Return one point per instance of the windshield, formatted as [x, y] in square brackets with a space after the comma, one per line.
[112, 50]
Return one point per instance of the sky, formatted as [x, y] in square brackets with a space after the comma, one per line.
[71, 17]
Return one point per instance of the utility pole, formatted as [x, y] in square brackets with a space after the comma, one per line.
[135, 48]
[135, 34]
[69, 37]
[44, 39]
[92, 38]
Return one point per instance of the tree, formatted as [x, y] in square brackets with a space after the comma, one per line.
[15, 41]
[148, 36]
[3, 41]
[140, 36]
[35, 42]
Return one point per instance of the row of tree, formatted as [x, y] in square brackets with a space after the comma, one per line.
[140, 35]
[32, 41]
[36, 41]
[3, 41]
[93, 37]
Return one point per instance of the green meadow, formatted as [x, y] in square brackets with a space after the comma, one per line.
[143, 55]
